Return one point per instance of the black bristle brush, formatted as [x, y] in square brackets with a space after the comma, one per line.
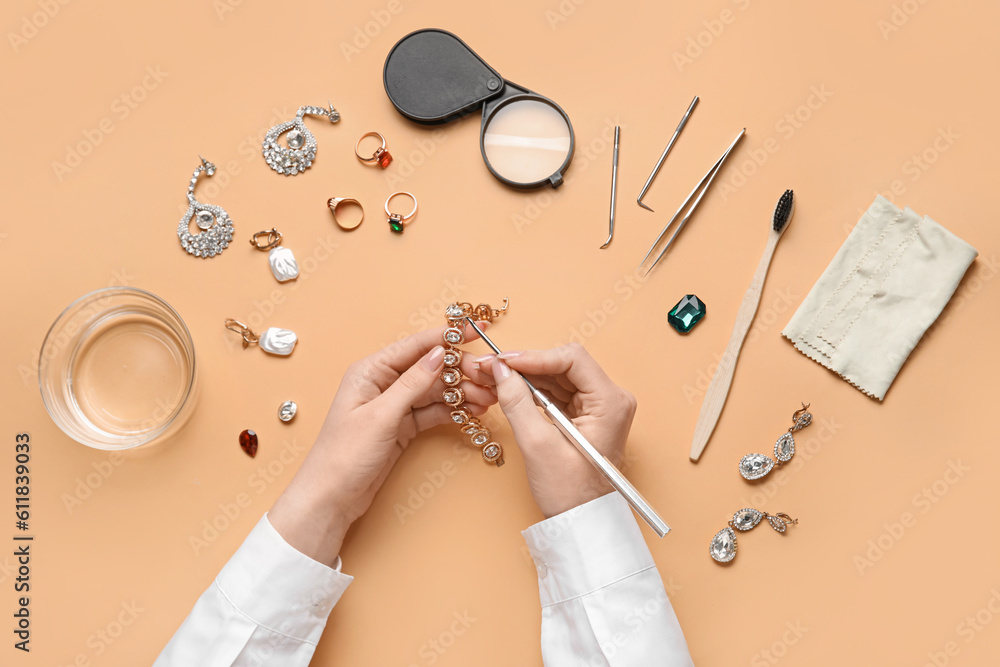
[715, 397]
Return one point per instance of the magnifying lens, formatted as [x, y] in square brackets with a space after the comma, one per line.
[432, 77]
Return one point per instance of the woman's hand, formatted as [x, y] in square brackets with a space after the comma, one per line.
[558, 474]
[383, 401]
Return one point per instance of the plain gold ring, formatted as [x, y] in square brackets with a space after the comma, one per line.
[334, 202]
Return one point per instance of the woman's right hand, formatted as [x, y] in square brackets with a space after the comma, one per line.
[560, 477]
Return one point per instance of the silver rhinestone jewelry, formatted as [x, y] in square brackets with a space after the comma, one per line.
[723, 546]
[755, 466]
[216, 228]
[300, 151]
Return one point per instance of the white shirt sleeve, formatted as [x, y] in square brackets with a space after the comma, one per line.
[268, 606]
[603, 602]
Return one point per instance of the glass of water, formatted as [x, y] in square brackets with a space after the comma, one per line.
[117, 369]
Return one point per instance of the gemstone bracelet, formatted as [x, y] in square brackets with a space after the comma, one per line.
[452, 375]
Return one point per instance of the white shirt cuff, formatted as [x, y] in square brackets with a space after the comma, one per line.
[587, 548]
[280, 588]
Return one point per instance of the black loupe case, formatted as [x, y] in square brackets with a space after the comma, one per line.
[432, 77]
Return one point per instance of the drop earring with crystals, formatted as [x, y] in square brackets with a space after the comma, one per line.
[273, 341]
[213, 221]
[723, 546]
[282, 261]
[452, 376]
[298, 155]
[755, 466]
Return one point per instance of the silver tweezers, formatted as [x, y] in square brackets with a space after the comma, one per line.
[699, 190]
[599, 461]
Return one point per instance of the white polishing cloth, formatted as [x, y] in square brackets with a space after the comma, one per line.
[885, 286]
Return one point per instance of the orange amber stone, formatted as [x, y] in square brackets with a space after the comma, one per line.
[384, 159]
[248, 442]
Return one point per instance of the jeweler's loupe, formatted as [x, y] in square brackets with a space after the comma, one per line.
[433, 77]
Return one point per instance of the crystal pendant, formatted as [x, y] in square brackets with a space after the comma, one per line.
[687, 313]
[723, 546]
[300, 151]
[747, 518]
[784, 448]
[283, 264]
[278, 341]
[755, 466]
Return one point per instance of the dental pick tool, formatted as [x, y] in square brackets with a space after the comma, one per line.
[614, 189]
[703, 185]
[670, 144]
[599, 461]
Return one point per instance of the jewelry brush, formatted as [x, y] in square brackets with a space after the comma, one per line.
[718, 390]
[703, 185]
[599, 461]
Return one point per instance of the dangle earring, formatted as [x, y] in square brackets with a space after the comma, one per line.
[723, 545]
[298, 155]
[273, 341]
[213, 221]
[283, 264]
[755, 466]
[452, 376]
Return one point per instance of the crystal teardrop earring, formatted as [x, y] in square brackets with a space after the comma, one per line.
[723, 546]
[213, 221]
[451, 376]
[300, 151]
[755, 466]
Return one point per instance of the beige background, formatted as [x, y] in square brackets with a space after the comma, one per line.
[888, 82]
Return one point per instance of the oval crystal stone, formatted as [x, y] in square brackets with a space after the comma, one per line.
[492, 452]
[723, 546]
[454, 336]
[777, 523]
[287, 411]
[461, 416]
[296, 139]
[755, 466]
[453, 396]
[747, 518]
[452, 358]
[480, 438]
[784, 448]
[205, 219]
[451, 376]
[454, 312]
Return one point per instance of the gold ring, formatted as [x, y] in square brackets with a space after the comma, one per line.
[381, 156]
[334, 202]
[397, 221]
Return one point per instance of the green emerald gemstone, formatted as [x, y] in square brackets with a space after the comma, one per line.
[687, 313]
[396, 226]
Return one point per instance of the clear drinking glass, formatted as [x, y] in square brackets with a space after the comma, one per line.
[117, 369]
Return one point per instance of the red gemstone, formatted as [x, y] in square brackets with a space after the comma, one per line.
[384, 159]
[248, 441]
